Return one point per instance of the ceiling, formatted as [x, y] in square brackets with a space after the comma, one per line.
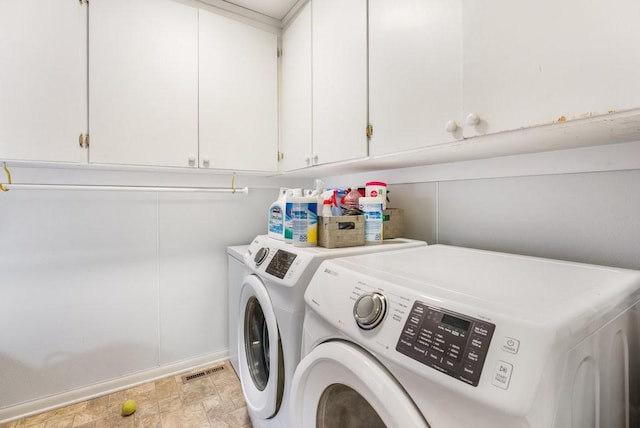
[274, 8]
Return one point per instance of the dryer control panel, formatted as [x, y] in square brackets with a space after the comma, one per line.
[280, 263]
[449, 342]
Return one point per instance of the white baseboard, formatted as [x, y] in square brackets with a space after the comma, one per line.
[66, 398]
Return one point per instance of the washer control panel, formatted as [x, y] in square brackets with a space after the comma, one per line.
[280, 263]
[449, 342]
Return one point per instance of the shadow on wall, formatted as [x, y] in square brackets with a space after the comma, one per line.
[63, 372]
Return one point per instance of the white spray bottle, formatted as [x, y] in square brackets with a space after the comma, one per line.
[277, 216]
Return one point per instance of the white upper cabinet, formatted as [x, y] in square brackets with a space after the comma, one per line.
[415, 73]
[324, 84]
[295, 90]
[534, 62]
[339, 52]
[43, 80]
[143, 77]
[238, 95]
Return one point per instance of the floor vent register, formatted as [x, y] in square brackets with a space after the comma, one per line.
[201, 374]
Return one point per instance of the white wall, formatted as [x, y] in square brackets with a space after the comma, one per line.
[579, 204]
[588, 217]
[584, 217]
[100, 287]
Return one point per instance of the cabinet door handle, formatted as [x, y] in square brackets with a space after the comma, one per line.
[315, 159]
[473, 119]
[205, 162]
[192, 160]
[307, 159]
[451, 126]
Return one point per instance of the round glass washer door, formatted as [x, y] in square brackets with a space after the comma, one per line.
[340, 385]
[260, 357]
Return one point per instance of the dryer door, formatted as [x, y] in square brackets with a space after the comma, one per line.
[338, 384]
[259, 350]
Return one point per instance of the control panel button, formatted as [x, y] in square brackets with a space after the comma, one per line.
[453, 353]
[469, 370]
[472, 356]
[410, 331]
[502, 375]
[481, 330]
[511, 345]
[435, 357]
[414, 319]
[477, 342]
[420, 349]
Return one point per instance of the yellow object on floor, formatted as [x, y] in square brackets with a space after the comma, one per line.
[128, 407]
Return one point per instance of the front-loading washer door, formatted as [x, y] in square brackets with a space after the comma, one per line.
[339, 385]
[260, 355]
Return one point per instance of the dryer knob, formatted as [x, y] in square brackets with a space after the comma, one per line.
[369, 310]
[261, 255]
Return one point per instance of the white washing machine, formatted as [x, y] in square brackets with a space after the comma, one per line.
[450, 337]
[236, 271]
[271, 308]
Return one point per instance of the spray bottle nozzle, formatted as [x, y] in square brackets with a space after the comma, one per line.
[334, 198]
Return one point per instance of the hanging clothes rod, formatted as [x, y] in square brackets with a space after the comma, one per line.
[18, 186]
[5, 187]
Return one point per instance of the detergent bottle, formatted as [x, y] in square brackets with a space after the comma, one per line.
[276, 216]
[288, 215]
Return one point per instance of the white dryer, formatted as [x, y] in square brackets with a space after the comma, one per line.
[271, 312]
[448, 337]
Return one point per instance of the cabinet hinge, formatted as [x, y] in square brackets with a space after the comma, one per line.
[369, 131]
[280, 156]
[83, 140]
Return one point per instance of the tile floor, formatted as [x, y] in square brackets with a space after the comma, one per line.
[215, 401]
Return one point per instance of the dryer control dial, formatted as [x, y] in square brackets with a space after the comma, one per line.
[261, 255]
[369, 310]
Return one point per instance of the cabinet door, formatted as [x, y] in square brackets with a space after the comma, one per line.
[295, 113]
[415, 73]
[530, 63]
[43, 80]
[143, 78]
[339, 49]
[238, 95]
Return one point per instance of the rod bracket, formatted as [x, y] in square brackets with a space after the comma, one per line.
[6, 170]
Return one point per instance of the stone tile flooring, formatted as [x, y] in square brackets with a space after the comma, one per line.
[215, 401]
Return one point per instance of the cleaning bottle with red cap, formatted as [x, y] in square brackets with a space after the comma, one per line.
[377, 189]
